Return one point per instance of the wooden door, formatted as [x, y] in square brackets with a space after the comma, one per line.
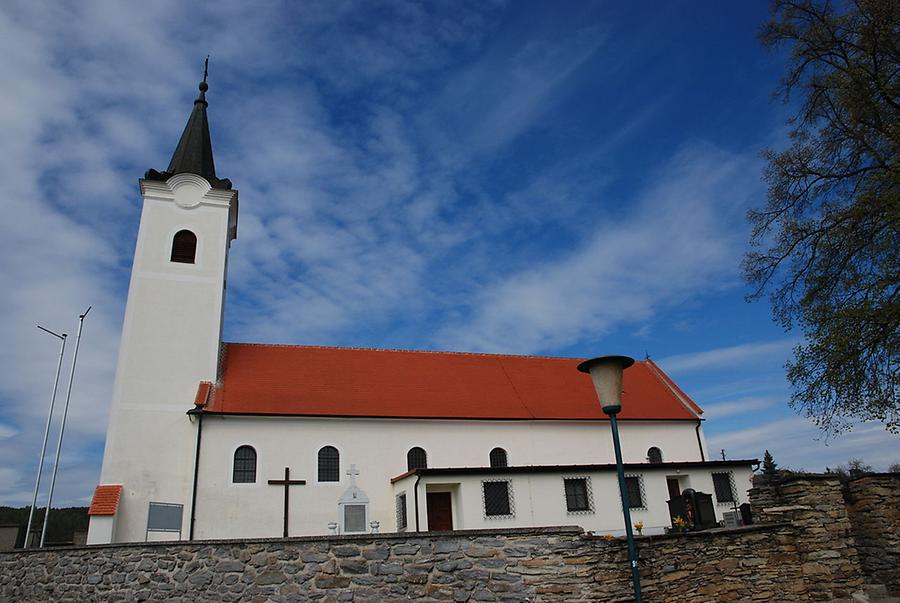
[440, 513]
[674, 487]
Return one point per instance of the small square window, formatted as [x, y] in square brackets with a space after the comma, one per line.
[722, 484]
[497, 497]
[579, 498]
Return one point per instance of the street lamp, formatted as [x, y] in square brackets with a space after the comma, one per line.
[606, 373]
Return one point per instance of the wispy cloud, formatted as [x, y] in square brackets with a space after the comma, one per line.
[796, 443]
[676, 240]
[730, 356]
[720, 410]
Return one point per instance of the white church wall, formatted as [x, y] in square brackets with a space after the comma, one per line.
[378, 448]
[170, 341]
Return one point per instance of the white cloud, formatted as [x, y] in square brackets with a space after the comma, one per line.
[720, 410]
[796, 443]
[743, 354]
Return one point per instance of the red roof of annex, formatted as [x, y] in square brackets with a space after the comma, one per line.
[352, 382]
[105, 500]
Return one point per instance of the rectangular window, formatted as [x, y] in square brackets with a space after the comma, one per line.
[497, 499]
[722, 486]
[577, 499]
[401, 512]
[635, 491]
[354, 518]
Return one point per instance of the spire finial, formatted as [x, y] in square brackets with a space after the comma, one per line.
[203, 85]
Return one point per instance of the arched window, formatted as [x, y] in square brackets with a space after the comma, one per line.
[498, 457]
[654, 455]
[244, 465]
[416, 459]
[329, 464]
[184, 247]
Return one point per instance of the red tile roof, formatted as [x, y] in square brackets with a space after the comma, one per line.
[106, 500]
[325, 381]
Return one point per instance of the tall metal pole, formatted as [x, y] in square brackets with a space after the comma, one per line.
[62, 427]
[37, 483]
[629, 535]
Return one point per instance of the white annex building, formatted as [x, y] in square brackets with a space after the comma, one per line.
[228, 440]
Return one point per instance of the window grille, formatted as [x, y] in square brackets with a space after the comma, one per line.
[416, 459]
[654, 455]
[401, 511]
[329, 464]
[579, 495]
[244, 465]
[497, 498]
[634, 485]
[498, 457]
[184, 247]
[723, 484]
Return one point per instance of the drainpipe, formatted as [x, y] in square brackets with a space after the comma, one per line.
[699, 441]
[199, 414]
[416, 498]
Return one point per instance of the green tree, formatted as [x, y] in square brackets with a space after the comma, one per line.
[769, 466]
[826, 246]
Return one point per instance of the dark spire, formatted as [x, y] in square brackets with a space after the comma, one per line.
[194, 154]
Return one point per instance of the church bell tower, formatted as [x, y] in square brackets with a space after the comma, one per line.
[170, 342]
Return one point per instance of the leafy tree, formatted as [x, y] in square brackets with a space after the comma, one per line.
[769, 467]
[826, 246]
[853, 468]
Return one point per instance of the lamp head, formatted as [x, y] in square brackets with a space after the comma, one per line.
[606, 373]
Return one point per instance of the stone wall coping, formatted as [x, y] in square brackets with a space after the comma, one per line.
[756, 527]
[891, 476]
[792, 477]
[338, 539]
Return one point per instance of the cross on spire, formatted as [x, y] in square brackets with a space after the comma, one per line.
[194, 154]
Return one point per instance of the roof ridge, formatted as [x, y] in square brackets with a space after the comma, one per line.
[357, 348]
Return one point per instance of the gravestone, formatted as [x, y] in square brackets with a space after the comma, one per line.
[696, 508]
[704, 511]
[746, 514]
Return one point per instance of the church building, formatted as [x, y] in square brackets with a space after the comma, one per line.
[213, 440]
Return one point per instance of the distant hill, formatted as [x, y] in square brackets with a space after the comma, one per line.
[63, 522]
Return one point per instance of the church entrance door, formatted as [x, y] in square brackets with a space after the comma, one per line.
[440, 514]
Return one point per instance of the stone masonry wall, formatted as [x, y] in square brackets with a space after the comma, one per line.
[873, 505]
[813, 503]
[805, 552]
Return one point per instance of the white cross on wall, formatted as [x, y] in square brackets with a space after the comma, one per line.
[352, 472]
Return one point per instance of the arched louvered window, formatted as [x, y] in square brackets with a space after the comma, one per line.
[244, 465]
[416, 459]
[329, 464]
[498, 458]
[654, 455]
[184, 247]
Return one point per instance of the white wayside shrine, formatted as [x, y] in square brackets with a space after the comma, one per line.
[220, 440]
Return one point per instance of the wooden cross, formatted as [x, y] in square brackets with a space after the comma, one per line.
[287, 482]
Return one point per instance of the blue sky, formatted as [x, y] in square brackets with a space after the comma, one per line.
[542, 178]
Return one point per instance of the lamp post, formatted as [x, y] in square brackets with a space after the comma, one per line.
[606, 373]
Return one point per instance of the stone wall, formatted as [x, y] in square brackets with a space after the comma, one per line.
[873, 505]
[805, 552]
